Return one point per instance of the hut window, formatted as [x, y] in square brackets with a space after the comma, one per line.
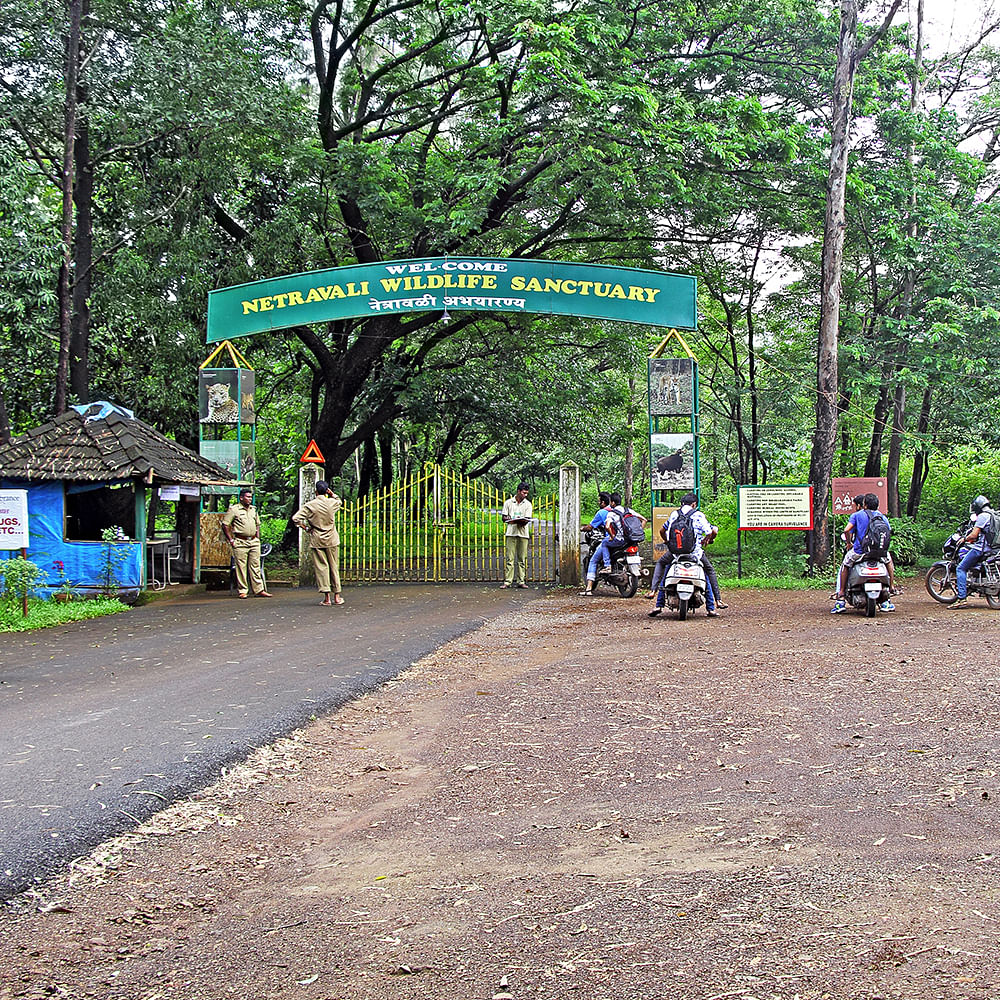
[92, 507]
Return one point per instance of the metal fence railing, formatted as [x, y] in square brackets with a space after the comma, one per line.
[438, 526]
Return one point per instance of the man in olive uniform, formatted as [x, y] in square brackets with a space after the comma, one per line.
[516, 516]
[241, 526]
[316, 518]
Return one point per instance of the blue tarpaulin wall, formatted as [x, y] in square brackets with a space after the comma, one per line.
[84, 564]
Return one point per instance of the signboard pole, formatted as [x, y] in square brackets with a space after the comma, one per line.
[309, 475]
[24, 555]
[569, 525]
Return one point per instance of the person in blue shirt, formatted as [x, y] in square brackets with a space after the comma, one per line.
[857, 525]
[597, 523]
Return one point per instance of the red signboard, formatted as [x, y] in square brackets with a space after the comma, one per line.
[845, 490]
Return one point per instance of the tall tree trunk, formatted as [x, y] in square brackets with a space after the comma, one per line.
[4, 421]
[628, 478]
[921, 460]
[752, 373]
[75, 10]
[849, 56]
[83, 258]
[843, 405]
[834, 228]
[873, 464]
[385, 456]
[895, 448]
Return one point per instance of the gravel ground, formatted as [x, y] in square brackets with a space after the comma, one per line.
[576, 801]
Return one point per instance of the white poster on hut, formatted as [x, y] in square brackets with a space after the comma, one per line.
[13, 519]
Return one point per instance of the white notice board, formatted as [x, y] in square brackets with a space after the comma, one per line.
[13, 519]
[775, 508]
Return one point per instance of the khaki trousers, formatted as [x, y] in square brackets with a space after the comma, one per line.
[326, 563]
[246, 553]
[516, 556]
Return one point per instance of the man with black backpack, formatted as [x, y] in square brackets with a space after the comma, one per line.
[686, 531]
[867, 535]
[980, 539]
[623, 526]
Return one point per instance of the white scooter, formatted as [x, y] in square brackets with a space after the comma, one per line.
[684, 585]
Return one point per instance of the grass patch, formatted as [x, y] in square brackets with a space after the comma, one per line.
[43, 614]
[784, 582]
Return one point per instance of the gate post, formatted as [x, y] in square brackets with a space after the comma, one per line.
[569, 525]
[309, 476]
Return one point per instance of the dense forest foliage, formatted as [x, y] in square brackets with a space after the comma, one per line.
[150, 153]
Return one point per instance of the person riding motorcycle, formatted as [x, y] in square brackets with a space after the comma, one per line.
[597, 523]
[865, 505]
[979, 541]
[664, 562]
[704, 533]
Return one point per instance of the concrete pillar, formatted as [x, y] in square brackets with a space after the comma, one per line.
[569, 525]
[309, 475]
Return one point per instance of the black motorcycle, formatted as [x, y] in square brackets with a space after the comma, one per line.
[984, 578]
[626, 564]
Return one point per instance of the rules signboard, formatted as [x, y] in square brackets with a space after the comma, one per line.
[845, 490]
[775, 508]
[14, 519]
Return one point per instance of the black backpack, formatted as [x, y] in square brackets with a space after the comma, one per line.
[681, 536]
[875, 544]
[633, 532]
[992, 530]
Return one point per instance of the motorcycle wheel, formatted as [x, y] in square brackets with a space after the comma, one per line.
[939, 584]
[683, 610]
[629, 589]
[993, 600]
[871, 606]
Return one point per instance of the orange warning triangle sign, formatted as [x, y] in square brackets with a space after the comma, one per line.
[313, 454]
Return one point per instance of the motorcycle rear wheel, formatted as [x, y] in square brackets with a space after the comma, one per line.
[992, 600]
[629, 589]
[683, 609]
[871, 606]
[940, 585]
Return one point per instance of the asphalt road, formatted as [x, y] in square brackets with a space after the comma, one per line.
[104, 722]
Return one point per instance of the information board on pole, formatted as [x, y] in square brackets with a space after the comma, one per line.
[14, 519]
[846, 489]
[775, 508]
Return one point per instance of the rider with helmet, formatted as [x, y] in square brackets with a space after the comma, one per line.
[979, 539]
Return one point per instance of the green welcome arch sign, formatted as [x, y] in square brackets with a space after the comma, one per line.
[445, 284]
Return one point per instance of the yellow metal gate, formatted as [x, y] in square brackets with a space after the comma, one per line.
[439, 526]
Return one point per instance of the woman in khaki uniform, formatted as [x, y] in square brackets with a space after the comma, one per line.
[316, 518]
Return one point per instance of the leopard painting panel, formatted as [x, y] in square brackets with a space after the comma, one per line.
[226, 396]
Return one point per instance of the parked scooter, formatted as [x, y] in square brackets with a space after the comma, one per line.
[868, 585]
[983, 579]
[684, 585]
[626, 565]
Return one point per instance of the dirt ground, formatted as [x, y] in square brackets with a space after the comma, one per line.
[576, 801]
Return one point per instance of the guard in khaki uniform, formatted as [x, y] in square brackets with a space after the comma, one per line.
[241, 526]
[316, 518]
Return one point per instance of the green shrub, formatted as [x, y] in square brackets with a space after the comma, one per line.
[272, 530]
[42, 614]
[907, 543]
[18, 577]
